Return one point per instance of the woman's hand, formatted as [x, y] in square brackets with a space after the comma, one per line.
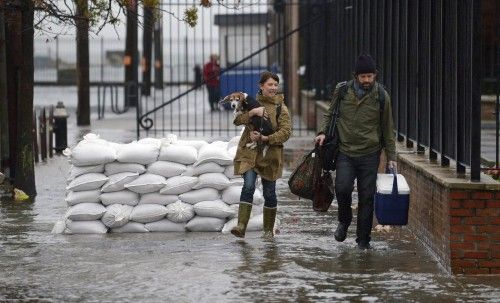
[259, 111]
[255, 136]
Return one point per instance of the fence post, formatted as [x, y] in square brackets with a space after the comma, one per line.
[43, 135]
[35, 137]
[51, 131]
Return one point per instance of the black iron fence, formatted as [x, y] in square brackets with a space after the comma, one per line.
[428, 55]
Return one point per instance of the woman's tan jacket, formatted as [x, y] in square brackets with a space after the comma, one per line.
[269, 167]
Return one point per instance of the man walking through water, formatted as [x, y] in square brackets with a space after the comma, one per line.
[365, 127]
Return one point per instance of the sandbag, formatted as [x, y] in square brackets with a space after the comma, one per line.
[117, 167]
[198, 195]
[165, 226]
[146, 183]
[130, 227]
[116, 215]
[87, 182]
[85, 227]
[179, 154]
[92, 153]
[178, 185]
[212, 180]
[146, 213]
[117, 181]
[209, 167]
[85, 212]
[216, 209]
[157, 198]
[180, 212]
[138, 153]
[126, 197]
[166, 169]
[205, 224]
[76, 171]
[86, 196]
[214, 152]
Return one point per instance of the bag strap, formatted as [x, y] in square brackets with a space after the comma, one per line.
[381, 102]
[342, 86]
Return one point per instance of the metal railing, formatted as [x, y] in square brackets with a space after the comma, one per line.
[428, 55]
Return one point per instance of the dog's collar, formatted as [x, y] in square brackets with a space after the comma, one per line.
[245, 95]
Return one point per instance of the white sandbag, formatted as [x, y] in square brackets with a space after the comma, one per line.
[86, 196]
[86, 212]
[205, 224]
[232, 152]
[117, 181]
[157, 198]
[118, 167]
[233, 142]
[194, 143]
[85, 227]
[87, 182]
[166, 169]
[76, 171]
[216, 209]
[126, 197]
[146, 183]
[116, 215]
[178, 185]
[212, 180]
[59, 227]
[209, 167]
[179, 154]
[236, 182]
[138, 153]
[130, 227]
[166, 226]
[116, 146]
[229, 225]
[180, 212]
[232, 194]
[198, 195]
[214, 152]
[92, 153]
[146, 213]
[153, 141]
[229, 172]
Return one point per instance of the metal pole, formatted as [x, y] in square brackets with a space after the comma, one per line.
[476, 92]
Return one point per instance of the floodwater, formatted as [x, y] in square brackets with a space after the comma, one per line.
[302, 264]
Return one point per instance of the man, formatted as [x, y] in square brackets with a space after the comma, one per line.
[211, 73]
[365, 127]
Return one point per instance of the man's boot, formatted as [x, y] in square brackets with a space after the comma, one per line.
[244, 211]
[341, 232]
[269, 218]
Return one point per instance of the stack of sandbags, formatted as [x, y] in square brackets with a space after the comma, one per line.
[152, 185]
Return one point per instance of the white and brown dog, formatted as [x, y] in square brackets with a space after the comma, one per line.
[240, 102]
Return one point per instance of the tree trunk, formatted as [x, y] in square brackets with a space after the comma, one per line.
[13, 20]
[19, 42]
[131, 56]
[4, 120]
[82, 63]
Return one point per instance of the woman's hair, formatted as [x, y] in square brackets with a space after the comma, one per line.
[266, 75]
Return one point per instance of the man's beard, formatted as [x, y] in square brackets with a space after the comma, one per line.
[367, 85]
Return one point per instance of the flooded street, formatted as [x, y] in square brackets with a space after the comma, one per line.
[302, 264]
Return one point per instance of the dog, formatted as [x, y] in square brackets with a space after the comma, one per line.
[241, 102]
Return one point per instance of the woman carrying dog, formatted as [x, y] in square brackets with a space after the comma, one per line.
[251, 162]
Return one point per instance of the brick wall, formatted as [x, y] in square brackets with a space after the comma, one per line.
[458, 220]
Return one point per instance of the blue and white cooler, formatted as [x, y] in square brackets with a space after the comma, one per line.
[392, 199]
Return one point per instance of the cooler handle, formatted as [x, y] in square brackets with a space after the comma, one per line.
[395, 190]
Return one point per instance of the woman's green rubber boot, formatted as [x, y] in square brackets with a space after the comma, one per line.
[269, 218]
[244, 211]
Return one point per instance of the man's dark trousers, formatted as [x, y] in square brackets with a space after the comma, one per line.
[364, 169]
[213, 96]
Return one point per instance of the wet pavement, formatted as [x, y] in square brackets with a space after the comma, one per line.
[302, 264]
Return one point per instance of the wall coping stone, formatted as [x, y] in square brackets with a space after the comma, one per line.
[445, 176]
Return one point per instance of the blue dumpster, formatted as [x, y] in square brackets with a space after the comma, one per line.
[240, 80]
